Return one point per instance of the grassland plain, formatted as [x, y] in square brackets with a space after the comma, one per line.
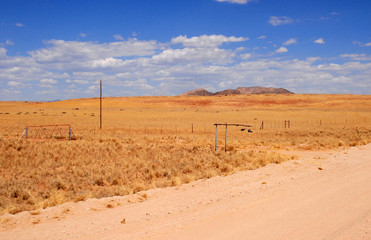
[149, 142]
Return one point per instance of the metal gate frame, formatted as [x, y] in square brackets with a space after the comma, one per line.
[226, 126]
[41, 132]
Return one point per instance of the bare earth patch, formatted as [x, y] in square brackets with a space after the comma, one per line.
[322, 195]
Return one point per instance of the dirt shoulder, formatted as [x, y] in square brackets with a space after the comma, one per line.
[322, 195]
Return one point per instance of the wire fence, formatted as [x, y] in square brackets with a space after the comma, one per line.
[179, 128]
[209, 128]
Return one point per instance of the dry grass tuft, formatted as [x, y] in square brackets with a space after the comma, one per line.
[4, 220]
[36, 212]
[36, 221]
[65, 210]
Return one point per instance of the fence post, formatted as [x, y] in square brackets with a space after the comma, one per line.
[216, 137]
[70, 133]
[25, 136]
[225, 147]
[192, 127]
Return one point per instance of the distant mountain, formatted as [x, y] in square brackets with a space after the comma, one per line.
[262, 90]
[238, 91]
[197, 92]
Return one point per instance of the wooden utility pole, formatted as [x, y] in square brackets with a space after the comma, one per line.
[100, 122]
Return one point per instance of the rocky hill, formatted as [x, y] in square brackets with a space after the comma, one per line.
[197, 92]
[238, 91]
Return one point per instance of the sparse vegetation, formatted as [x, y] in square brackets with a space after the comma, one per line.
[43, 174]
[151, 143]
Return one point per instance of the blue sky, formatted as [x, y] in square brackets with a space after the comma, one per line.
[61, 49]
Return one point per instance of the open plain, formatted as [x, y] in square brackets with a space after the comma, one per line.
[158, 142]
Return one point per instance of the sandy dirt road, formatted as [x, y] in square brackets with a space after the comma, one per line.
[322, 195]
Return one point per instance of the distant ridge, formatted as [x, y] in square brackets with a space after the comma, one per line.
[238, 91]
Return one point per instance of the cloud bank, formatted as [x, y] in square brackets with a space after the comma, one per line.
[72, 69]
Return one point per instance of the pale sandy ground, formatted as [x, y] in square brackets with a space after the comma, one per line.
[322, 195]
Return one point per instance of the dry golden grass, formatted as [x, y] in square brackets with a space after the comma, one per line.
[147, 142]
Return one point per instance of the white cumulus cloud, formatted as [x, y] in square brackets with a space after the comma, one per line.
[194, 55]
[82, 82]
[74, 51]
[276, 21]
[246, 56]
[319, 41]
[14, 84]
[282, 50]
[8, 42]
[118, 37]
[290, 41]
[206, 40]
[2, 52]
[362, 44]
[357, 57]
[48, 81]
